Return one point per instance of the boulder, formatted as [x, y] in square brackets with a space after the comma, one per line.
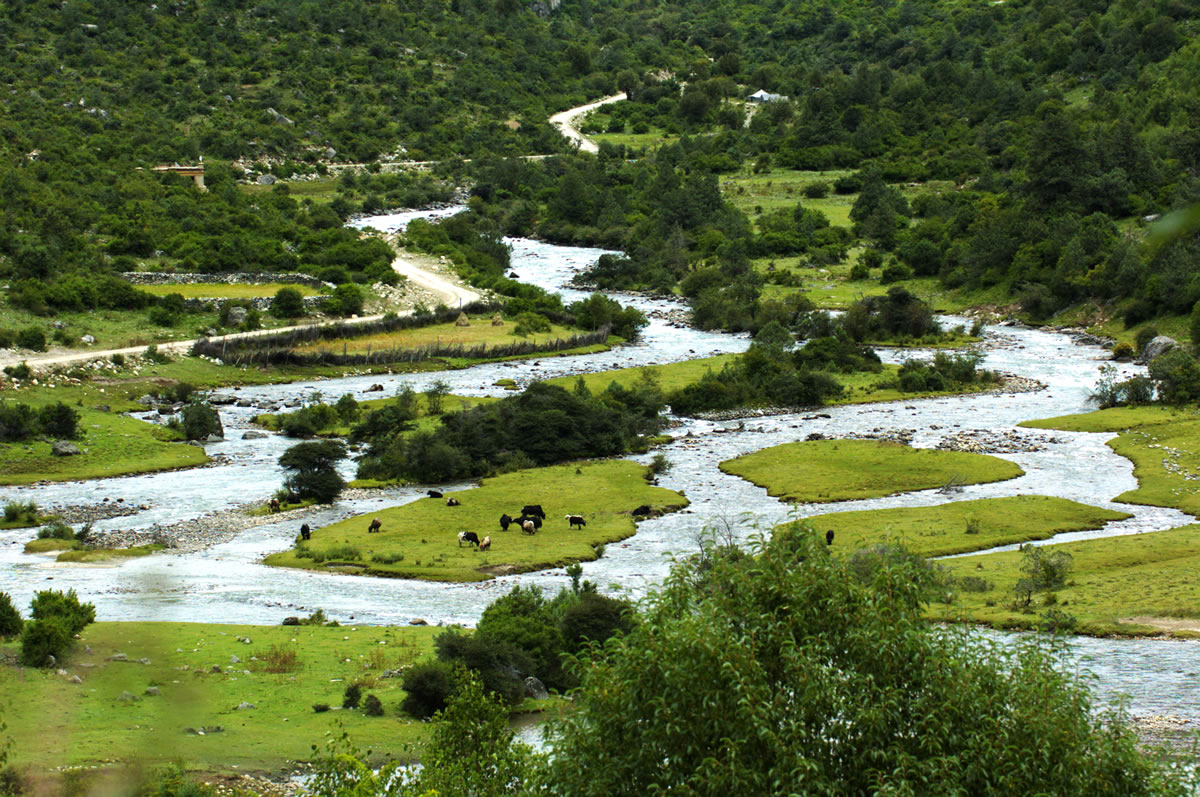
[535, 689]
[244, 706]
[214, 438]
[88, 339]
[266, 179]
[252, 435]
[237, 315]
[64, 448]
[127, 697]
[291, 621]
[1156, 348]
[153, 691]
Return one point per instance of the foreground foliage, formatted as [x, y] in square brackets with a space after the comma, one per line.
[779, 672]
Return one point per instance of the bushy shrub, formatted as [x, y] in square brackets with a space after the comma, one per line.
[529, 323]
[1123, 351]
[200, 420]
[54, 603]
[56, 531]
[45, 638]
[313, 471]
[10, 618]
[594, 619]
[32, 338]
[860, 271]
[19, 371]
[20, 510]
[497, 662]
[373, 706]
[895, 272]
[320, 708]
[817, 190]
[428, 687]
[352, 696]
[1144, 336]
[288, 303]
[59, 420]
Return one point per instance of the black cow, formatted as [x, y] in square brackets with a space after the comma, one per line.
[576, 520]
[433, 493]
[537, 521]
[829, 537]
[505, 522]
[468, 536]
[641, 511]
[533, 509]
[305, 532]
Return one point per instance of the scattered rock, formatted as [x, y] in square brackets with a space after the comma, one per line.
[291, 621]
[254, 435]
[118, 657]
[153, 691]
[234, 660]
[265, 179]
[64, 448]
[127, 697]
[244, 706]
[237, 315]
[535, 689]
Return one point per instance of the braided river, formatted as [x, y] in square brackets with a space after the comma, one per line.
[225, 583]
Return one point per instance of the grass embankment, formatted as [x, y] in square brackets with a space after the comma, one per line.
[224, 290]
[75, 551]
[861, 388]
[1162, 442]
[1135, 585]
[55, 722]
[112, 445]
[963, 526]
[480, 332]
[847, 470]
[419, 540]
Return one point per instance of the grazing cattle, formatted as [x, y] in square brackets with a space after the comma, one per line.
[533, 509]
[642, 510]
[528, 527]
[485, 544]
[576, 520]
[468, 536]
[305, 532]
[505, 522]
[433, 493]
[273, 504]
[534, 519]
[829, 537]
[452, 502]
[375, 526]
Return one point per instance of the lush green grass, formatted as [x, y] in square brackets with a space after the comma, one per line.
[55, 722]
[419, 540]
[48, 544]
[108, 554]
[963, 526]
[844, 470]
[1162, 442]
[783, 188]
[1150, 577]
[479, 332]
[113, 445]
[211, 290]
[1109, 322]
[651, 140]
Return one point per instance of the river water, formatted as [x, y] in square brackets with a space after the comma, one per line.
[226, 583]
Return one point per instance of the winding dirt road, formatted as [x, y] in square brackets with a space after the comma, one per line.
[565, 122]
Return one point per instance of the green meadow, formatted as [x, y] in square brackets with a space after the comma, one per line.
[203, 673]
[963, 526]
[819, 471]
[419, 539]
[1140, 584]
[1162, 442]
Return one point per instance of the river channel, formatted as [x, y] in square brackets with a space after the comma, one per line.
[226, 583]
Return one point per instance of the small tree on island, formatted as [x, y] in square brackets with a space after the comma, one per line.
[313, 470]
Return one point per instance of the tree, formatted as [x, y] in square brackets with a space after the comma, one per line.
[10, 618]
[200, 420]
[313, 470]
[778, 671]
[288, 303]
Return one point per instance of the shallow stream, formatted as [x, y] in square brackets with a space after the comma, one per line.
[226, 583]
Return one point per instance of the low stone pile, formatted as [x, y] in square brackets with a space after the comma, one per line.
[84, 513]
[986, 441]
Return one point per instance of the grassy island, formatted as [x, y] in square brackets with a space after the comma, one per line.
[964, 526]
[848, 470]
[419, 539]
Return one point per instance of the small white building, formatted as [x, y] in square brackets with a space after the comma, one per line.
[761, 96]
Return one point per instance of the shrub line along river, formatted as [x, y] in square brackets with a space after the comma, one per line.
[225, 582]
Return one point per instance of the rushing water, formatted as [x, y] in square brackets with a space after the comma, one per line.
[226, 583]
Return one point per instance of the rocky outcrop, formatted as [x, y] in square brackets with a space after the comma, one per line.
[1156, 348]
[64, 448]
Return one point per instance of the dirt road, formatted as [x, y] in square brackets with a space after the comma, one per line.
[565, 122]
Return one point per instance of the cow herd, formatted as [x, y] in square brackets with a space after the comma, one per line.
[529, 521]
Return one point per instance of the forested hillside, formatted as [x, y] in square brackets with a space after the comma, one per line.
[1033, 137]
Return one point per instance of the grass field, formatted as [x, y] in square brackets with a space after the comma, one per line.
[283, 671]
[480, 332]
[1162, 442]
[210, 290]
[963, 526]
[819, 471]
[1137, 584]
[784, 188]
[112, 445]
[419, 540]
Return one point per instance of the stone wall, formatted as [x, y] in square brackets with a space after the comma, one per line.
[164, 278]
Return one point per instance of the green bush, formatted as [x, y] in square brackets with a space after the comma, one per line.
[288, 303]
[43, 638]
[32, 338]
[200, 420]
[1144, 336]
[54, 603]
[59, 420]
[320, 708]
[427, 686]
[895, 272]
[10, 618]
[373, 706]
[860, 271]
[19, 371]
[20, 510]
[352, 696]
[56, 531]
[313, 470]
[817, 190]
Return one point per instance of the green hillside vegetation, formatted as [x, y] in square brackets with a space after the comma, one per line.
[1135, 584]
[283, 672]
[963, 526]
[1160, 441]
[419, 539]
[820, 471]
